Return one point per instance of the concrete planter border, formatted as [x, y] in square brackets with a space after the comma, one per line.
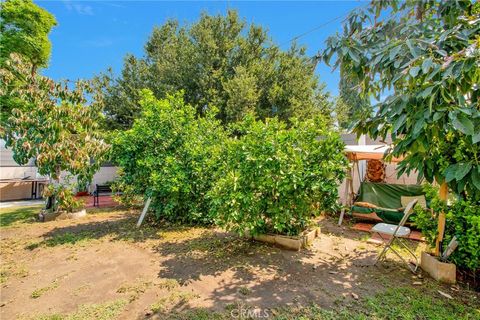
[304, 240]
[440, 271]
[50, 216]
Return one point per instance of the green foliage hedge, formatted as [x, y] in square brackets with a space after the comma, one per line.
[462, 221]
[256, 176]
[275, 179]
[170, 155]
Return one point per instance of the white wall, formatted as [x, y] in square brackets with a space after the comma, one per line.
[9, 169]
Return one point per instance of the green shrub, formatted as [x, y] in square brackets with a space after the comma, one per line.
[170, 155]
[275, 179]
[65, 198]
[462, 221]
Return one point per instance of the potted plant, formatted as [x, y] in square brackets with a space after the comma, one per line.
[82, 187]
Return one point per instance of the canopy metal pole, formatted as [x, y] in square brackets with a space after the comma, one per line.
[348, 182]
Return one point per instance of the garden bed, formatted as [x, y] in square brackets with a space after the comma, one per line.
[304, 240]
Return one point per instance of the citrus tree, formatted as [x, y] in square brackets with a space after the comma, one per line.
[423, 59]
[53, 125]
[274, 178]
[170, 156]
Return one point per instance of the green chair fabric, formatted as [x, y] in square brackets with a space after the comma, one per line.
[387, 197]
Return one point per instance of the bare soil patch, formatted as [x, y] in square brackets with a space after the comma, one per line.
[102, 262]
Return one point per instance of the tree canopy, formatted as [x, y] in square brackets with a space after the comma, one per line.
[218, 61]
[424, 56]
[24, 29]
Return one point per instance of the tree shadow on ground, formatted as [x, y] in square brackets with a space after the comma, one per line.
[240, 270]
[10, 216]
[121, 227]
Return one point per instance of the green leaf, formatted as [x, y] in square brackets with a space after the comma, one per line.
[450, 172]
[414, 71]
[427, 63]
[354, 56]
[399, 122]
[425, 93]
[462, 170]
[475, 177]
[432, 74]
[476, 137]
[463, 124]
[413, 50]
[437, 115]
[418, 126]
[394, 52]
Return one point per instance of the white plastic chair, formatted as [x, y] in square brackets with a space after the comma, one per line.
[396, 232]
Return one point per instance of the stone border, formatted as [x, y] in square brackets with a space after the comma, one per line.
[304, 240]
[50, 216]
[440, 271]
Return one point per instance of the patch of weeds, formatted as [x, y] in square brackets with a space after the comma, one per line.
[105, 311]
[197, 314]
[37, 293]
[18, 215]
[67, 238]
[364, 238]
[410, 303]
[311, 312]
[168, 284]
[12, 270]
[81, 289]
[174, 299]
[244, 291]
[33, 246]
[135, 290]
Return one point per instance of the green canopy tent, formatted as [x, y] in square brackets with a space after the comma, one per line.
[385, 199]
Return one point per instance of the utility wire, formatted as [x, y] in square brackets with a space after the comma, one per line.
[314, 29]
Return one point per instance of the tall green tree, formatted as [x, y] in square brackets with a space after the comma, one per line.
[424, 55]
[24, 29]
[218, 61]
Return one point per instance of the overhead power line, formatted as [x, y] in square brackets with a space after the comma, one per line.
[314, 29]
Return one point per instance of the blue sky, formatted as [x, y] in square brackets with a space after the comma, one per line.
[94, 35]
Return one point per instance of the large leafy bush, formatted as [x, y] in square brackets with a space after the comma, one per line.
[423, 58]
[462, 221]
[275, 179]
[169, 155]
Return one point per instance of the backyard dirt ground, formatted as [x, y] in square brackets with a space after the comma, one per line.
[103, 266]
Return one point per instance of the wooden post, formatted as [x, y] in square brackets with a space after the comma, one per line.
[144, 212]
[443, 194]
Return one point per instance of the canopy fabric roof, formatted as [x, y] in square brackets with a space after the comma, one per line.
[368, 152]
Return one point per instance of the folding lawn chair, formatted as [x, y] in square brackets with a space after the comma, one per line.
[396, 232]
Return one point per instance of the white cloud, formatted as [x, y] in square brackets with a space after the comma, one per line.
[79, 8]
